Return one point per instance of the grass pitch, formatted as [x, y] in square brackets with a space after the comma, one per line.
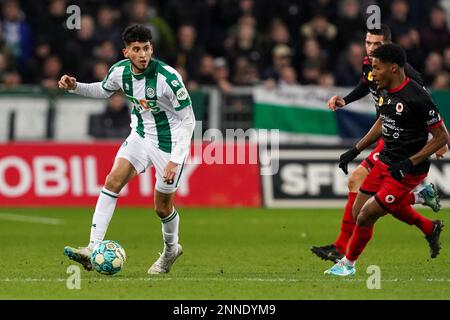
[228, 254]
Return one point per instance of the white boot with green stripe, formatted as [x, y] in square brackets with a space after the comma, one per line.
[172, 249]
[165, 261]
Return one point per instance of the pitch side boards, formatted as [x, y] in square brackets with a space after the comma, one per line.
[63, 174]
[310, 177]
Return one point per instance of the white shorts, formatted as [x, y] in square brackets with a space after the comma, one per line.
[142, 153]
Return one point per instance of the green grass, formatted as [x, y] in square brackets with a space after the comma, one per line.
[228, 254]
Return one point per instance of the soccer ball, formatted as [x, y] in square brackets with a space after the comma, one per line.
[108, 257]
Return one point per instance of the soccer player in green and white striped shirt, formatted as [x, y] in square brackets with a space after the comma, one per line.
[161, 130]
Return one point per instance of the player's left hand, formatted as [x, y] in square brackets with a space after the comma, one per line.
[170, 171]
[400, 169]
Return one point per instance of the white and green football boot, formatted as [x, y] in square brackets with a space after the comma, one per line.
[82, 255]
[341, 269]
[431, 197]
[165, 261]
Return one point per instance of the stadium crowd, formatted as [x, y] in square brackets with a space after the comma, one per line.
[220, 42]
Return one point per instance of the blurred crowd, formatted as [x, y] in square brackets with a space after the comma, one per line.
[220, 42]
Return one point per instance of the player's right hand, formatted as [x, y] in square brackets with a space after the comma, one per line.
[441, 152]
[67, 83]
[346, 158]
[335, 102]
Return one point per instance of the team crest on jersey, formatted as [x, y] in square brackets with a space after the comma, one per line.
[150, 92]
[370, 76]
[380, 101]
[182, 94]
[399, 107]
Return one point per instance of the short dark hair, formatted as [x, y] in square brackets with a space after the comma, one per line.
[383, 30]
[390, 52]
[136, 32]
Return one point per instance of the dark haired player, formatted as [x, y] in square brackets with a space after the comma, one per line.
[427, 196]
[161, 129]
[407, 114]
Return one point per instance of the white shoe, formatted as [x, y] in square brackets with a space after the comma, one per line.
[165, 261]
[81, 255]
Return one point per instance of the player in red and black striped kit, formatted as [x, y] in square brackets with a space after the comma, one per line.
[427, 196]
[407, 114]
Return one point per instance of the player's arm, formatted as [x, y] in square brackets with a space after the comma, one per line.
[182, 143]
[184, 137]
[373, 135]
[182, 104]
[103, 89]
[92, 90]
[439, 140]
[360, 91]
[432, 121]
[441, 152]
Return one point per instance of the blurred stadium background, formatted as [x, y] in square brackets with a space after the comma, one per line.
[247, 64]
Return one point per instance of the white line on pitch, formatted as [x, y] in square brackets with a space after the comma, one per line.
[31, 219]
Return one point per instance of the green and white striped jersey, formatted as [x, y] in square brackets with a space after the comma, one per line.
[156, 95]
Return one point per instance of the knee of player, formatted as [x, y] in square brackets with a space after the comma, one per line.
[355, 180]
[163, 210]
[114, 183]
[361, 220]
[366, 218]
[355, 212]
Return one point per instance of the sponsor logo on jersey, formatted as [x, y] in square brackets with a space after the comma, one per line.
[399, 107]
[390, 198]
[150, 92]
[432, 112]
[175, 83]
[396, 135]
[182, 94]
[380, 101]
[143, 105]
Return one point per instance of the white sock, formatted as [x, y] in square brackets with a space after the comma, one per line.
[170, 230]
[104, 210]
[418, 198]
[348, 262]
